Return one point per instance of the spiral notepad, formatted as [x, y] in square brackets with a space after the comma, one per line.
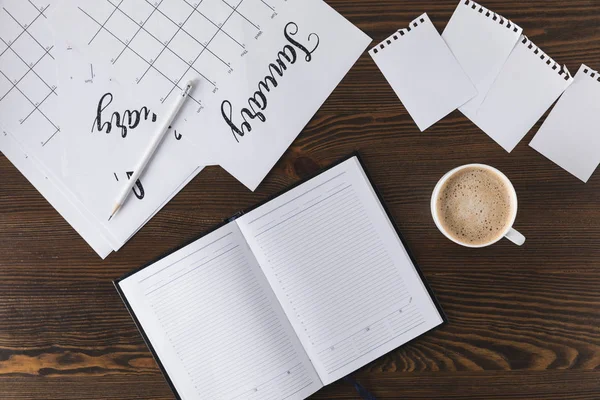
[529, 82]
[423, 72]
[570, 136]
[481, 41]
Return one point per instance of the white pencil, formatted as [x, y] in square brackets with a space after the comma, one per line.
[156, 140]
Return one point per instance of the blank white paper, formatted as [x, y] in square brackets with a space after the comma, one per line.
[528, 84]
[481, 41]
[423, 72]
[63, 202]
[570, 136]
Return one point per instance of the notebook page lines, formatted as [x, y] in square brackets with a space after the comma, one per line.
[377, 334]
[296, 198]
[289, 383]
[219, 319]
[317, 295]
[344, 293]
[184, 257]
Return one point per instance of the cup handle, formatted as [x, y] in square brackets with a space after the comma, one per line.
[515, 237]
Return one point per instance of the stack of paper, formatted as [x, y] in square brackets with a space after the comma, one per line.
[84, 85]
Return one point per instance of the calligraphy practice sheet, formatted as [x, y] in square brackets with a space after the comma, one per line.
[106, 127]
[86, 169]
[264, 66]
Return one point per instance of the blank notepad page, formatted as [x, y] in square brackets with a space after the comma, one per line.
[528, 84]
[481, 41]
[570, 136]
[423, 72]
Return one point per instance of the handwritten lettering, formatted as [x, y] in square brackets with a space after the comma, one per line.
[139, 193]
[258, 102]
[138, 189]
[130, 119]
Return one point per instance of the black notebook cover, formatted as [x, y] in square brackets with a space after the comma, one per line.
[228, 220]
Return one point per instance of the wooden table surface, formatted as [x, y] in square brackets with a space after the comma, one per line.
[524, 322]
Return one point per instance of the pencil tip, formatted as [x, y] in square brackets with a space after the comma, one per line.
[109, 218]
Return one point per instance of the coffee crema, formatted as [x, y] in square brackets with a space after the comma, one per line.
[475, 206]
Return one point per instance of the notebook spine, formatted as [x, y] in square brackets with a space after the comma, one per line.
[591, 73]
[234, 216]
[561, 70]
[491, 15]
[400, 33]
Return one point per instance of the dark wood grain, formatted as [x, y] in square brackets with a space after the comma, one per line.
[524, 322]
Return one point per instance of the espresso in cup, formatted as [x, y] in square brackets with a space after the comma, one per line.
[476, 205]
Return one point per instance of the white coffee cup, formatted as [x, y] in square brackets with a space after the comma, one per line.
[509, 233]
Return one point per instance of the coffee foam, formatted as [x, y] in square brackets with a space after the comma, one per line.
[475, 206]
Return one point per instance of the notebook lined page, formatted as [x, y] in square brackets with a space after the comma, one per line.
[339, 270]
[216, 326]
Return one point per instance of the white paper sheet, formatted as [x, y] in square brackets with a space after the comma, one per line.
[481, 41]
[29, 107]
[526, 87]
[43, 182]
[570, 136]
[99, 161]
[423, 72]
[29, 111]
[266, 66]
[62, 200]
[28, 89]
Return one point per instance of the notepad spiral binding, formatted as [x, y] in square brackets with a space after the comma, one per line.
[591, 73]
[490, 14]
[545, 57]
[398, 35]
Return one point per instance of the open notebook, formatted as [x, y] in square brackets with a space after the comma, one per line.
[285, 299]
